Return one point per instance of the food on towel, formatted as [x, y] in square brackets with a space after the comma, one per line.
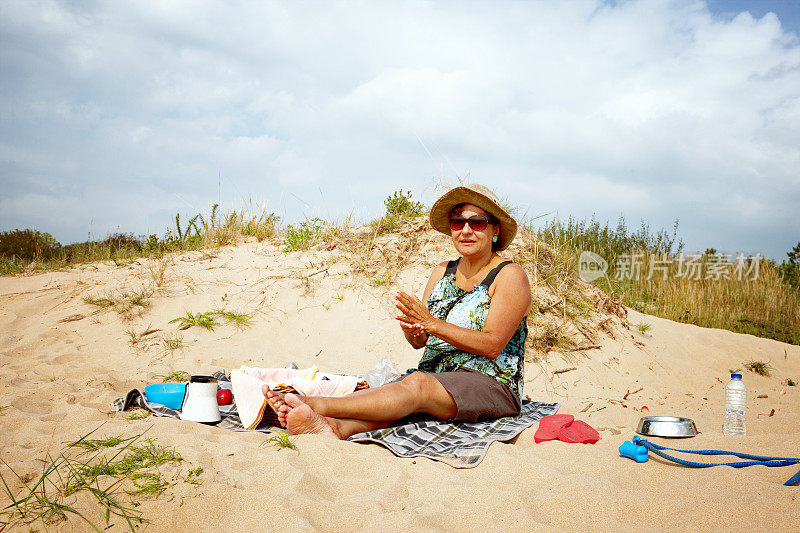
[224, 397]
[248, 384]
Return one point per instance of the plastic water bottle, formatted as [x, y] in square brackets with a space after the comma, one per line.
[735, 406]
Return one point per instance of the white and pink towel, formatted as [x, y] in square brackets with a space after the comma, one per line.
[248, 384]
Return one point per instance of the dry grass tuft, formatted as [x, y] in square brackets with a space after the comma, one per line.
[567, 314]
[127, 303]
[158, 270]
[759, 367]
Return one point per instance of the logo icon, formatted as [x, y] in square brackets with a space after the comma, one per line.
[591, 266]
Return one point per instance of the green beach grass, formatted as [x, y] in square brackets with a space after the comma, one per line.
[651, 273]
[765, 306]
[115, 473]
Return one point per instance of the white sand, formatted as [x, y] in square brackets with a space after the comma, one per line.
[59, 379]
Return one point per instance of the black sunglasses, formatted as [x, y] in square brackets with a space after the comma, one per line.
[476, 222]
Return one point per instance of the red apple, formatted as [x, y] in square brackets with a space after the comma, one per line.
[224, 397]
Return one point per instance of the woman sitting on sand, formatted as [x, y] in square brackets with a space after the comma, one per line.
[473, 330]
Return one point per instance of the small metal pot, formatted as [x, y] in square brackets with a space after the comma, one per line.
[667, 426]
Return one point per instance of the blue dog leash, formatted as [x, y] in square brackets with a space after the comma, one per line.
[752, 459]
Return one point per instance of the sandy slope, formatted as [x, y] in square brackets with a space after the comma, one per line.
[60, 377]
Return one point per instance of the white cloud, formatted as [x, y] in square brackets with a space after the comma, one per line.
[654, 109]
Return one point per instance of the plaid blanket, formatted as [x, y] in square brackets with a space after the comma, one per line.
[458, 444]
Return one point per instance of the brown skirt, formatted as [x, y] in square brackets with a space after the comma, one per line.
[478, 396]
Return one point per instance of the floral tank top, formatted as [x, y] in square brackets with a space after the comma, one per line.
[468, 309]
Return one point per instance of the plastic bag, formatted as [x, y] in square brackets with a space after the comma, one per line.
[384, 372]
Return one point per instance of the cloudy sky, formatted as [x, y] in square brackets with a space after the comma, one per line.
[116, 115]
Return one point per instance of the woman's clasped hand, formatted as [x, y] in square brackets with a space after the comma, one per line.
[414, 315]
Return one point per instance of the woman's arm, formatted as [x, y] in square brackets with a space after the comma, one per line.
[415, 334]
[510, 303]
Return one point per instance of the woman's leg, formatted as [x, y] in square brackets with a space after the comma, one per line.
[416, 393]
[276, 401]
[301, 419]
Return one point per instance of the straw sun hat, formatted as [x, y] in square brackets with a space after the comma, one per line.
[480, 196]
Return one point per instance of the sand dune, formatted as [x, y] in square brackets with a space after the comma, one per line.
[62, 362]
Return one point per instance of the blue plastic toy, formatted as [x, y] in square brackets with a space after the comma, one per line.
[633, 451]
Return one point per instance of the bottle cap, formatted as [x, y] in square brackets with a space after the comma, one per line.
[736, 376]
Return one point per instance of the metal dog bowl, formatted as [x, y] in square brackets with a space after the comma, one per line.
[667, 426]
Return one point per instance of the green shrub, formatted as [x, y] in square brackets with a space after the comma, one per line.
[115, 246]
[8, 266]
[790, 270]
[610, 242]
[22, 250]
[301, 237]
[122, 242]
[400, 205]
[28, 245]
[399, 208]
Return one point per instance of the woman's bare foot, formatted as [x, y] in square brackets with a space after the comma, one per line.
[301, 419]
[278, 404]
